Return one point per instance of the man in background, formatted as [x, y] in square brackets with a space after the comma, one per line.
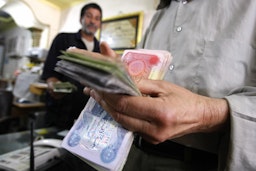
[64, 108]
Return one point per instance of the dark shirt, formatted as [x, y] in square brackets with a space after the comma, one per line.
[63, 112]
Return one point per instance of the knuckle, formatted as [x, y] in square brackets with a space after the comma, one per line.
[121, 105]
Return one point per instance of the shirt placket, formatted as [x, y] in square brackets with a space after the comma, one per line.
[177, 27]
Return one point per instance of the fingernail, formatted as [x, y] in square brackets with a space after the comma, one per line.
[94, 95]
[87, 90]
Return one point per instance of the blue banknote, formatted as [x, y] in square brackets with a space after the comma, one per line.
[97, 138]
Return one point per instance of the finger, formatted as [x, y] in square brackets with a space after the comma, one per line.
[87, 90]
[106, 50]
[147, 136]
[130, 123]
[131, 105]
[95, 94]
[85, 52]
[150, 87]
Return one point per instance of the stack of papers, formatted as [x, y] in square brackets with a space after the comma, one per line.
[95, 137]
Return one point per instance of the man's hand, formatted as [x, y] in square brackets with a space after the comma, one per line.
[165, 111]
[50, 82]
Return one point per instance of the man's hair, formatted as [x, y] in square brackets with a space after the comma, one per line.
[90, 5]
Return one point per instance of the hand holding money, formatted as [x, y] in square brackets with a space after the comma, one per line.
[96, 137]
[114, 75]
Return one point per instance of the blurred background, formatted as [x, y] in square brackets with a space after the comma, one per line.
[27, 28]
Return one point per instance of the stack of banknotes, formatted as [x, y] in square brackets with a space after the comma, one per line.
[95, 137]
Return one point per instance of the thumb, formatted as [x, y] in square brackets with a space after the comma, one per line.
[106, 50]
[149, 87]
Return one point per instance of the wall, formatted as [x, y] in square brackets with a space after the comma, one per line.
[26, 14]
[47, 15]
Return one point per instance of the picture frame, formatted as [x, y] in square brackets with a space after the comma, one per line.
[123, 31]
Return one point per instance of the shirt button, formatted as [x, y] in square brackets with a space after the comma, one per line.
[179, 29]
[171, 67]
[184, 2]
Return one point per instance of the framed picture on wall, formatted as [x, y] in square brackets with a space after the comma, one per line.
[123, 31]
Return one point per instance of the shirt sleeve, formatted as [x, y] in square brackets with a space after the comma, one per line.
[242, 151]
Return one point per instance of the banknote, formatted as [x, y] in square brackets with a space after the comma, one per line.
[95, 137]
[64, 87]
[143, 63]
[98, 140]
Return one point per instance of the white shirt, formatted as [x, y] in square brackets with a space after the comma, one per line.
[88, 44]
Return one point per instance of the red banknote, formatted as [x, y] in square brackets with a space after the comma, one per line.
[143, 63]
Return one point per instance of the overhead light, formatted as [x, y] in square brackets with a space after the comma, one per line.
[2, 3]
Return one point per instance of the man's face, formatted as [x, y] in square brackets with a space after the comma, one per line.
[91, 21]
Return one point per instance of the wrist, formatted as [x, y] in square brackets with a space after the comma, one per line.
[215, 114]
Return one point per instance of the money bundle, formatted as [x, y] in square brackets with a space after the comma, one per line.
[97, 71]
[95, 137]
